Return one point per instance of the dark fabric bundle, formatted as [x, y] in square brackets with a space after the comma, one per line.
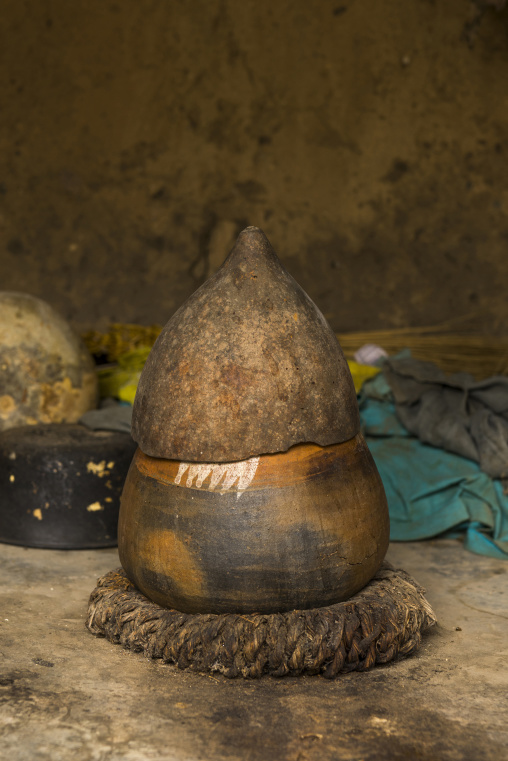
[453, 412]
[383, 621]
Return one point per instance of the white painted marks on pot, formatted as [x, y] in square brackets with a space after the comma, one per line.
[223, 474]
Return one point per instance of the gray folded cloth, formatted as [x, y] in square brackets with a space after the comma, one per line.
[110, 417]
[453, 412]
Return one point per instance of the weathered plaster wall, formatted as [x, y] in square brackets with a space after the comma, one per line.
[368, 139]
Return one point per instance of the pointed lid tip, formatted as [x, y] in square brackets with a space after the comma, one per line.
[253, 233]
[252, 242]
[252, 229]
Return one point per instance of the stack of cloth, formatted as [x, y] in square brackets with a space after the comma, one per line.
[441, 446]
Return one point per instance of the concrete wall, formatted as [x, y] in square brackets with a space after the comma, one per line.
[368, 139]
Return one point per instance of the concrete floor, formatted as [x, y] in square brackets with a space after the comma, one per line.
[67, 695]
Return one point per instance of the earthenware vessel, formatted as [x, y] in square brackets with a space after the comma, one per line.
[252, 488]
[46, 373]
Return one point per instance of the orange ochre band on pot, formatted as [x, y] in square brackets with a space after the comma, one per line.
[302, 462]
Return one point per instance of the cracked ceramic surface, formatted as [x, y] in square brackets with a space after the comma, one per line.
[247, 366]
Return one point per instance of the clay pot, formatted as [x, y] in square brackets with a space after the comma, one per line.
[46, 373]
[305, 528]
[252, 488]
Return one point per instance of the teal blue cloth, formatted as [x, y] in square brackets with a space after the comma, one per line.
[431, 491]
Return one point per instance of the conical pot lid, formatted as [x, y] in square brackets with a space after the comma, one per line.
[248, 365]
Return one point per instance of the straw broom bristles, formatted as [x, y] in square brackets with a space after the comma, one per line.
[481, 356]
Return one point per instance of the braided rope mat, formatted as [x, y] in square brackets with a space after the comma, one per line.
[383, 621]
